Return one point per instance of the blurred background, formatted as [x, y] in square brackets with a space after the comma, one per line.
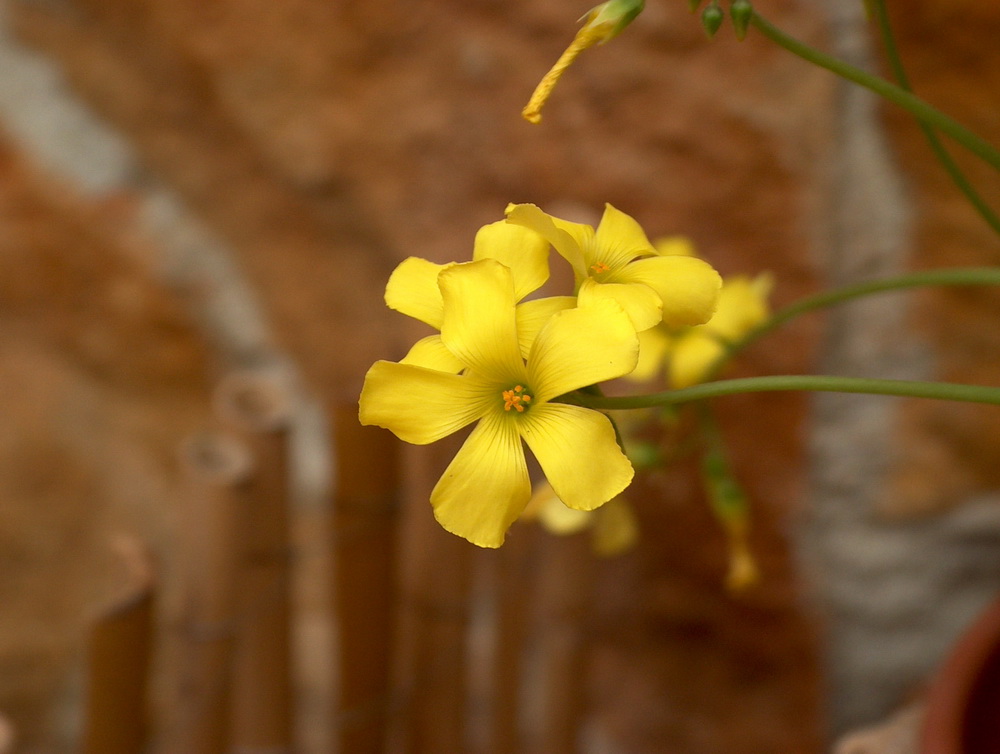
[200, 203]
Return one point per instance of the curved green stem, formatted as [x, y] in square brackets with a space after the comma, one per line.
[952, 276]
[907, 100]
[878, 9]
[817, 383]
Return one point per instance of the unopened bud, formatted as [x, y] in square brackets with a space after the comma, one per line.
[602, 23]
[741, 12]
[711, 19]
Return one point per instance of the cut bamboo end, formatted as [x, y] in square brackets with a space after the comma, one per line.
[218, 468]
[255, 400]
[118, 661]
[216, 460]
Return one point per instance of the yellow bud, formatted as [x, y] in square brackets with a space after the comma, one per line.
[601, 23]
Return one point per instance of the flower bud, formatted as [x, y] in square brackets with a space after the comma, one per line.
[600, 24]
[741, 12]
[612, 17]
[711, 19]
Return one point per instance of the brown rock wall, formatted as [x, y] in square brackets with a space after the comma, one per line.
[950, 53]
[325, 141]
[103, 373]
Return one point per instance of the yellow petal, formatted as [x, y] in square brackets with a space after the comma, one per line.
[431, 353]
[486, 486]
[421, 405]
[640, 302]
[576, 449]
[742, 306]
[561, 520]
[688, 287]
[619, 239]
[413, 290]
[569, 239]
[654, 344]
[522, 250]
[532, 316]
[675, 246]
[616, 529]
[580, 347]
[692, 356]
[479, 324]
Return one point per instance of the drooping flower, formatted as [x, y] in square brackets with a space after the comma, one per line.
[486, 486]
[413, 290]
[616, 261]
[688, 354]
[601, 23]
[613, 527]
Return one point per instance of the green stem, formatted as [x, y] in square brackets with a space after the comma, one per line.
[878, 9]
[908, 101]
[817, 383]
[952, 276]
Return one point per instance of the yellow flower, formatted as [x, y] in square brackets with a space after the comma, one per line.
[742, 306]
[617, 262]
[601, 23]
[613, 527]
[413, 290]
[486, 486]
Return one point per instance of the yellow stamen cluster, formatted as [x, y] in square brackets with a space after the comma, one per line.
[516, 399]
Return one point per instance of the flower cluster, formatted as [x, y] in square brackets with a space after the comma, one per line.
[689, 354]
[509, 362]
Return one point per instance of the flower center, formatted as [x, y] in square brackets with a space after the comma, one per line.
[516, 399]
[598, 268]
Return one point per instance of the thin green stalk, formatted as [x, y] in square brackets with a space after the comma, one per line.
[907, 100]
[878, 9]
[951, 276]
[947, 391]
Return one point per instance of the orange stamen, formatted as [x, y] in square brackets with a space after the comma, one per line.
[515, 399]
[598, 268]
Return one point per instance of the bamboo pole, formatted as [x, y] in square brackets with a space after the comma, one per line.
[564, 598]
[119, 650]
[364, 534]
[258, 403]
[8, 736]
[436, 584]
[514, 578]
[218, 468]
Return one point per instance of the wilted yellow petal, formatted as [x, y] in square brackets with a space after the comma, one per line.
[580, 347]
[522, 250]
[421, 405]
[486, 486]
[578, 453]
[532, 316]
[687, 286]
[640, 302]
[430, 352]
[479, 324]
[413, 290]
